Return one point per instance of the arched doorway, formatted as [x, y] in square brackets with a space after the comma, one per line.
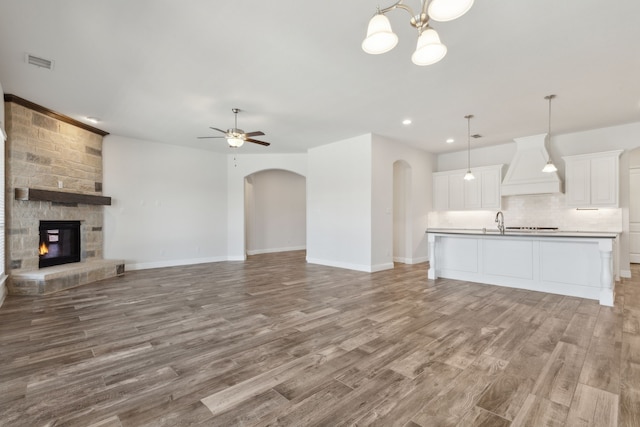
[402, 241]
[275, 212]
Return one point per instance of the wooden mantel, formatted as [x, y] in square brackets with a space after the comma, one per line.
[35, 194]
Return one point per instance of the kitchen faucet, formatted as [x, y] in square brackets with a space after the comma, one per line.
[500, 221]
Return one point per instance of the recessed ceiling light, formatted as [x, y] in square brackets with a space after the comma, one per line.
[93, 120]
[406, 122]
[450, 141]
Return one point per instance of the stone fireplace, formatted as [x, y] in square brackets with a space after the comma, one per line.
[53, 173]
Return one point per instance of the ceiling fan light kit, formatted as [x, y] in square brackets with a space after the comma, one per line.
[235, 141]
[381, 38]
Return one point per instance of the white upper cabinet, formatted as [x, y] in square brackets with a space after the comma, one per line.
[440, 192]
[592, 180]
[451, 192]
[490, 187]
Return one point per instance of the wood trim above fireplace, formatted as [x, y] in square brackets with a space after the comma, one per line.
[37, 195]
[47, 112]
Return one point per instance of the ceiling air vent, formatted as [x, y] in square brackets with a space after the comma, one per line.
[38, 62]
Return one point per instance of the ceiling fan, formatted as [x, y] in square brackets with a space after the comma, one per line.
[236, 137]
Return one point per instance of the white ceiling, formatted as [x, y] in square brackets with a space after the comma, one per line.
[165, 70]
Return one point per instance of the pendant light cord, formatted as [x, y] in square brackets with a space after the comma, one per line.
[468, 117]
[549, 97]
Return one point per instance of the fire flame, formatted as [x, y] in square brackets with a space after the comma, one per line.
[43, 250]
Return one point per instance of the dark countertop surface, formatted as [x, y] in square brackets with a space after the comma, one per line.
[524, 233]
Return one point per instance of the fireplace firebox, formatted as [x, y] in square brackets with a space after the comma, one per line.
[59, 243]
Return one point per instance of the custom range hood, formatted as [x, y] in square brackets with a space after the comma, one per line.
[525, 175]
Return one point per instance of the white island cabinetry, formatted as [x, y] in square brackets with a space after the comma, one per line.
[593, 180]
[452, 193]
[567, 263]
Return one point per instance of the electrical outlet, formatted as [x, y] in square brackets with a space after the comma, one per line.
[60, 185]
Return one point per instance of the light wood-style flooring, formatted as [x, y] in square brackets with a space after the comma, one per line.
[275, 341]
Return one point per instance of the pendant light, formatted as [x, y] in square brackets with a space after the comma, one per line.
[469, 176]
[549, 167]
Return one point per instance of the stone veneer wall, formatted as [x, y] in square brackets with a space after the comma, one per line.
[41, 152]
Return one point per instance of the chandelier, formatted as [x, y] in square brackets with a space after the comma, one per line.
[380, 38]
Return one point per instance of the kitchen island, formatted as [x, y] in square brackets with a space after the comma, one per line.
[573, 263]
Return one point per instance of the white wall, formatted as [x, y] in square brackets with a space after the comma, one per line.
[240, 166]
[168, 204]
[339, 225]
[624, 137]
[401, 212]
[385, 153]
[275, 212]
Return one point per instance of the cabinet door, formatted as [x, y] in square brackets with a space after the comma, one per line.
[440, 192]
[490, 181]
[456, 192]
[578, 180]
[472, 198]
[604, 181]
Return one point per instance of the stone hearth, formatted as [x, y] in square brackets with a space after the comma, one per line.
[53, 279]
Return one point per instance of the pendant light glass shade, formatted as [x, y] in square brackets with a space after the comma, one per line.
[468, 176]
[380, 38]
[235, 142]
[448, 10]
[429, 49]
[549, 167]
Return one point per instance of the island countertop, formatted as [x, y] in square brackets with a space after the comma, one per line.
[525, 233]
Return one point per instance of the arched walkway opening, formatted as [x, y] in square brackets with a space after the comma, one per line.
[275, 211]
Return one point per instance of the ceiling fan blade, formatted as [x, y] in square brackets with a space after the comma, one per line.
[205, 137]
[256, 133]
[255, 141]
[219, 130]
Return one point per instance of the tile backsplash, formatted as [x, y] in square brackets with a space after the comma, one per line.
[543, 210]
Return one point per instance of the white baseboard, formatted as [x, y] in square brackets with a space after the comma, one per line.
[381, 267]
[172, 263]
[411, 260]
[274, 250]
[350, 266]
[625, 273]
[3, 288]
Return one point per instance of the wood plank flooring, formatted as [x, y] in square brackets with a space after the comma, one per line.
[274, 341]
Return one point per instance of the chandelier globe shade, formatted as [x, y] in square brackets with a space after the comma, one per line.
[380, 38]
[429, 49]
[448, 10]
